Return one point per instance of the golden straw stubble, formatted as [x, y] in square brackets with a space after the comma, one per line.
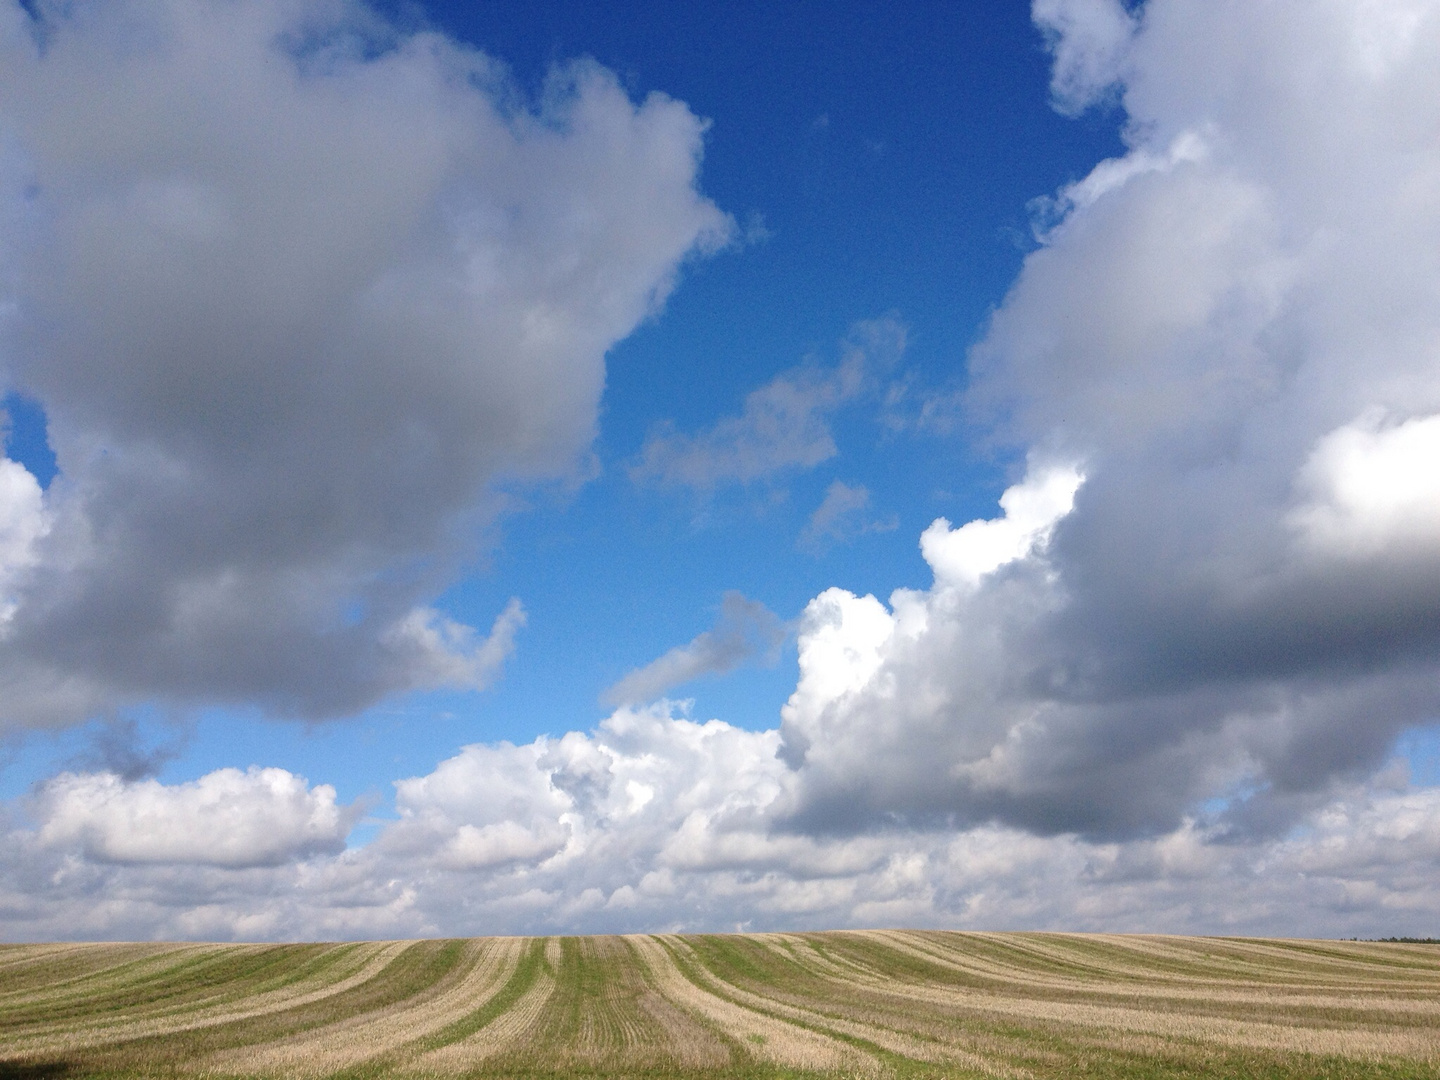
[852, 1003]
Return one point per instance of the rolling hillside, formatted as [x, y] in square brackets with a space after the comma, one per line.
[878, 1003]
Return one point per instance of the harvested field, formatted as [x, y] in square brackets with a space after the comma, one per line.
[873, 1004]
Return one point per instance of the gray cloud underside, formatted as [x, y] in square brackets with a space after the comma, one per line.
[295, 290]
[1233, 332]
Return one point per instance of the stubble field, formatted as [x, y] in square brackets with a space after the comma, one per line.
[872, 1004]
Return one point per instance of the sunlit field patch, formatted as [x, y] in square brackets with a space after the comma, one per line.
[861, 1004]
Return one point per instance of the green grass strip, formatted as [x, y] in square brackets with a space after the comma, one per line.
[521, 979]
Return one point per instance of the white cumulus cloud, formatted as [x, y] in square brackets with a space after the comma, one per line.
[967, 554]
[1090, 40]
[229, 818]
[1374, 488]
[655, 821]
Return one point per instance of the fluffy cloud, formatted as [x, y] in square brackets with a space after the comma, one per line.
[1374, 490]
[966, 555]
[655, 821]
[1090, 40]
[296, 290]
[262, 817]
[1232, 333]
[23, 521]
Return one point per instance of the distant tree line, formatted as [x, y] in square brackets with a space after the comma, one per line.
[1401, 940]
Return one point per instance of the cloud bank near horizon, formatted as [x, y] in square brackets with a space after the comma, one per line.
[1159, 690]
[655, 822]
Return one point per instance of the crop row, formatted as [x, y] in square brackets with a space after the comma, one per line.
[872, 1003]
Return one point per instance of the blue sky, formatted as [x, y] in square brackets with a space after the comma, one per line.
[889, 160]
[700, 334]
